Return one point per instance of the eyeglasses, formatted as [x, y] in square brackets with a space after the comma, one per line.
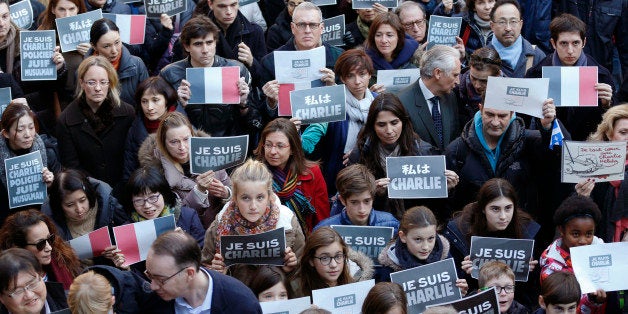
[303, 26]
[18, 292]
[161, 282]
[139, 202]
[279, 146]
[418, 23]
[326, 260]
[41, 244]
[92, 83]
[504, 23]
[508, 289]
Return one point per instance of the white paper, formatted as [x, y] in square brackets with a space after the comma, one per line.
[601, 266]
[396, 80]
[522, 95]
[345, 299]
[291, 67]
[603, 161]
[292, 306]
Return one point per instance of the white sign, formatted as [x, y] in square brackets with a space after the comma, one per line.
[601, 266]
[396, 80]
[345, 299]
[523, 95]
[299, 66]
[292, 306]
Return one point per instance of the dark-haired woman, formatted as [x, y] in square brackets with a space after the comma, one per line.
[476, 24]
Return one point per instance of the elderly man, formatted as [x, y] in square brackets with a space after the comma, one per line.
[173, 265]
[430, 101]
[413, 19]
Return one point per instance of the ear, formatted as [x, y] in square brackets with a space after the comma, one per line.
[542, 302]
[186, 48]
[5, 133]
[584, 42]
[553, 43]
[481, 106]
[311, 262]
[403, 237]
[437, 73]
[293, 27]
[342, 200]
[561, 230]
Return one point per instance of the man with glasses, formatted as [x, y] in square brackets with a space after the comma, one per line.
[517, 54]
[173, 265]
[413, 19]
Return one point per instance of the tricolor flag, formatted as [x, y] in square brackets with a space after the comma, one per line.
[134, 240]
[91, 244]
[132, 27]
[557, 135]
[285, 106]
[214, 85]
[572, 85]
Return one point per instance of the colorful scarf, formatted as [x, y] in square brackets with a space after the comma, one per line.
[286, 187]
[233, 223]
[136, 217]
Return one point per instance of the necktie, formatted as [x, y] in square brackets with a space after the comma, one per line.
[438, 121]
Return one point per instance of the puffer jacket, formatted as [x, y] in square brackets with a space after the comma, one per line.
[396, 257]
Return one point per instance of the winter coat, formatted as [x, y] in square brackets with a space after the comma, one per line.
[396, 257]
[376, 218]
[312, 184]
[471, 33]
[403, 60]
[520, 69]
[606, 196]
[134, 139]
[280, 32]
[536, 30]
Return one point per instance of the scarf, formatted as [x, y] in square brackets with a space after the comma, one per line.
[152, 126]
[357, 111]
[7, 152]
[363, 27]
[510, 54]
[79, 228]
[384, 152]
[233, 223]
[484, 26]
[10, 45]
[404, 56]
[166, 211]
[407, 260]
[491, 154]
[59, 272]
[581, 62]
[286, 186]
[99, 120]
[116, 62]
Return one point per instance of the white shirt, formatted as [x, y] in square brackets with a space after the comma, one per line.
[428, 95]
[182, 307]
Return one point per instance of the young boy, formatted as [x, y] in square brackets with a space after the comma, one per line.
[560, 294]
[497, 274]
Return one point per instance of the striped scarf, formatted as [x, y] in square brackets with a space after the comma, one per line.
[286, 188]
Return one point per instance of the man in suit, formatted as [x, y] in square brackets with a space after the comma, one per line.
[430, 101]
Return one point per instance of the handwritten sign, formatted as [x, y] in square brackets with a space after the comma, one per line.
[603, 161]
[214, 85]
[25, 183]
[601, 266]
[320, 104]
[443, 30]
[22, 14]
[74, 30]
[484, 302]
[334, 30]
[346, 299]
[524, 95]
[216, 153]
[292, 306]
[368, 4]
[516, 253]
[267, 248]
[5, 98]
[154, 8]
[429, 284]
[416, 177]
[370, 240]
[36, 50]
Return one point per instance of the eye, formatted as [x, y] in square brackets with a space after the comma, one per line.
[432, 238]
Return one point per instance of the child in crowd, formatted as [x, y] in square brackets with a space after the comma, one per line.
[356, 190]
[560, 293]
[498, 275]
[418, 244]
[385, 297]
[270, 284]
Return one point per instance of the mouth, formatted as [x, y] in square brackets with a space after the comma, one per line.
[149, 212]
[333, 273]
[32, 302]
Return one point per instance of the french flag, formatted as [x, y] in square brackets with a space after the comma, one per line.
[91, 244]
[132, 27]
[135, 239]
[572, 85]
[214, 85]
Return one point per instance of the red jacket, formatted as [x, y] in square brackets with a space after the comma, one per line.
[313, 186]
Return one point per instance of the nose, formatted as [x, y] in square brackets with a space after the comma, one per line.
[502, 215]
[154, 286]
[48, 247]
[333, 263]
[28, 293]
[582, 241]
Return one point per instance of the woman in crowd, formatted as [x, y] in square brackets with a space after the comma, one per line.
[34, 231]
[91, 129]
[385, 297]
[106, 42]
[476, 24]
[154, 98]
[168, 150]
[270, 283]
[91, 293]
[19, 136]
[484, 62]
[297, 181]
[253, 209]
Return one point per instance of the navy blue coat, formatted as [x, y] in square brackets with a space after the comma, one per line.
[376, 218]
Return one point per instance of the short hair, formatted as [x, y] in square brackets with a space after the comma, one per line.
[266, 277]
[12, 262]
[383, 297]
[607, 126]
[65, 183]
[145, 180]
[407, 5]
[113, 92]
[494, 269]
[308, 6]
[577, 206]
[198, 27]
[157, 85]
[443, 309]
[486, 58]
[391, 20]
[560, 288]
[567, 23]
[417, 217]
[252, 171]
[171, 120]
[90, 293]
[500, 3]
[297, 162]
[13, 113]
[355, 179]
[441, 57]
[100, 28]
[181, 246]
[353, 59]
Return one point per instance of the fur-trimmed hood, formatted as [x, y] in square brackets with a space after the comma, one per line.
[361, 266]
[149, 155]
[388, 258]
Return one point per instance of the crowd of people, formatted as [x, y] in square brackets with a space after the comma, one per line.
[113, 131]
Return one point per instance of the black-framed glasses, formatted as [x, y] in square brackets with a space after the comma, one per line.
[419, 23]
[18, 292]
[508, 289]
[162, 282]
[41, 244]
[303, 26]
[140, 202]
[326, 260]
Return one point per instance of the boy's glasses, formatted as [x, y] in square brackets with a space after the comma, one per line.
[508, 289]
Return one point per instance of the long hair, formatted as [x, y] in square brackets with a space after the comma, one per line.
[383, 297]
[113, 92]
[65, 183]
[297, 162]
[47, 18]
[171, 120]
[15, 230]
[13, 113]
[609, 119]
[393, 21]
[307, 275]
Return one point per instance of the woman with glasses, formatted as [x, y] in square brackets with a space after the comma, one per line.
[22, 287]
[298, 182]
[34, 231]
[93, 128]
[168, 150]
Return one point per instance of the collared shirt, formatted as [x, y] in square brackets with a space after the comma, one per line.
[182, 307]
[428, 95]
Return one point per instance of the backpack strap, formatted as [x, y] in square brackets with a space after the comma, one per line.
[530, 59]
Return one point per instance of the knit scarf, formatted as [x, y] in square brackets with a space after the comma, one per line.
[59, 272]
[79, 228]
[167, 211]
[286, 187]
[233, 223]
[357, 111]
[581, 62]
[363, 27]
[484, 26]
[99, 120]
[510, 54]
[384, 152]
[407, 260]
[12, 48]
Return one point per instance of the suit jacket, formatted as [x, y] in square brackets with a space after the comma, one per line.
[413, 100]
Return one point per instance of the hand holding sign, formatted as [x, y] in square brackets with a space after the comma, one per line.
[549, 113]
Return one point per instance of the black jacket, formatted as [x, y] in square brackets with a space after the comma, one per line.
[280, 32]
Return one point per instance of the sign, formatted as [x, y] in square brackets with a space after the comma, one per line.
[267, 248]
[74, 30]
[245, 2]
[603, 161]
[345, 299]
[216, 153]
[396, 80]
[214, 85]
[523, 95]
[91, 244]
[416, 177]
[22, 14]
[370, 240]
[429, 284]
[5, 98]
[320, 3]
[443, 30]
[334, 30]
[320, 104]
[132, 27]
[368, 4]
[36, 50]
[572, 85]
[516, 253]
[601, 266]
[154, 8]
[292, 306]
[25, 183]
[485, 302]
[134, 240]
[295, 70]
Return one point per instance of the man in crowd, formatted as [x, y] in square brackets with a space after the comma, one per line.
[412, 16]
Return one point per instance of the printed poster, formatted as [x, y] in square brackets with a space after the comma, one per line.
[485, 302]
[74, 30]
[516, 253]
[416, 177]
[154, 8]
[267, 248]
[396, 80]
[521, 95]
[25, 183]
[22, 14]
[291, 306]
[320, 104]
[370, 240]
[443, 30]
[217, 153]
[345, 299]
[36, 51]
[601, 266]
[334, 30]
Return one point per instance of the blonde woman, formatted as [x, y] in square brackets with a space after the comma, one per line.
[91, 293]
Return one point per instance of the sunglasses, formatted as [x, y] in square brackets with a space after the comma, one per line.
[41, 244]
